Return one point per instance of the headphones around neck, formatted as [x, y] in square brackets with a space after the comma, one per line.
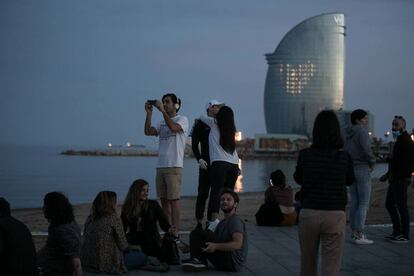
[177, 104]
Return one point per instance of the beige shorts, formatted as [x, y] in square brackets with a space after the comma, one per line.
[168, 181]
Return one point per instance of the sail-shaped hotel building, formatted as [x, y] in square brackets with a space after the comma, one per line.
[305, 75]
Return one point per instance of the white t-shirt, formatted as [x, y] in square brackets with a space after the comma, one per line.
[216, 151]
[171, 144]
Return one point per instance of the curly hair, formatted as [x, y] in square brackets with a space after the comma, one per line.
[57, 209]
[103, 204]
[225, 123]
[133, 205]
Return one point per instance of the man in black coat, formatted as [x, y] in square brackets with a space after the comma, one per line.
[17, 251]
[400, 173]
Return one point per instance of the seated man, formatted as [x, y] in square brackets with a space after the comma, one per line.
[17, 251]
[226, 247]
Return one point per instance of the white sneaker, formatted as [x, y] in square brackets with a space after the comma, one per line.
[212, 225]
[362, 240]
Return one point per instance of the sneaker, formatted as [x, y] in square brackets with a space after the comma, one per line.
[212, 225]
[389, 237]
[361, 240]
[399, 239]
[194, 265]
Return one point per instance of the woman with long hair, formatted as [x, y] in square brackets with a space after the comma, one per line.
[224, 160]
[323, 171]
[140, 216]
[105, 248]
[61, 255]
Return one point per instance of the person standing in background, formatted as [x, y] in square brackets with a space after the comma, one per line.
[358, 145]
[172, 132]
[400, 173]
[323, 171]
[199, 137]
[223, 158]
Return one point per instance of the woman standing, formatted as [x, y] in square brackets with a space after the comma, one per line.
[104, 239]
[323, 171]
[140, 217]
[224, 160]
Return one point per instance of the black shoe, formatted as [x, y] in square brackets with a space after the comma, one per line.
[399, 239]
[194, 265]
[390, 237]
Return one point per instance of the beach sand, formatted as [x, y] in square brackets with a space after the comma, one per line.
[249, 204]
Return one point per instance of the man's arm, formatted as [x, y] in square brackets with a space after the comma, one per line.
[77, 267]
[235, 244]
[195, 140]
[148, 129]
[173, 126]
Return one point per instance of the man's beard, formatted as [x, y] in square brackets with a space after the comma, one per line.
[227, 210]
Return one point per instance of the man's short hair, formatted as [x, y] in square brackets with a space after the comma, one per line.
[233, 194]
[357, 114]
[4, 208]
[174, 99]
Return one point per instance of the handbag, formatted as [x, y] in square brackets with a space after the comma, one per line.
[169, 250]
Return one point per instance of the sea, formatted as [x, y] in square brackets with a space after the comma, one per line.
[28, 172]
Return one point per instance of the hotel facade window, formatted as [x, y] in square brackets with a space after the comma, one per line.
[305, 74]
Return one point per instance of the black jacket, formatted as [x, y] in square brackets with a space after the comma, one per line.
[17, 250]
[324, 175]
[149, 219]
[200, 135]
[402, 163]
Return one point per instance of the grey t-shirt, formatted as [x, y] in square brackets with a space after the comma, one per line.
[224, 233]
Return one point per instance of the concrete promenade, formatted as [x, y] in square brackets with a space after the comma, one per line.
[275, 251]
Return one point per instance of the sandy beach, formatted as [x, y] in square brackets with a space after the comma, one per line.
[249, 204]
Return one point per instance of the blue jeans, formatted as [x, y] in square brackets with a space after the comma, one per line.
[134, 259]
[360, 192]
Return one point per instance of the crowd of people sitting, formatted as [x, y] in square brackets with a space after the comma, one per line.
[113, 244]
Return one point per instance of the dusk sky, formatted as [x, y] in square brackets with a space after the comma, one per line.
[78, 72]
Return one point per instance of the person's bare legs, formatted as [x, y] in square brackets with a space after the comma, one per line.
[166, 206]
[175, 214]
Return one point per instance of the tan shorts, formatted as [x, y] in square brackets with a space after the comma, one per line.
[168, 181]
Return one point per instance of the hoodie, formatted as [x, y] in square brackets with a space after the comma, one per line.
[358, 145]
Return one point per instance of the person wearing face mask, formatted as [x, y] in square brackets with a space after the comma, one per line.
[399, 176]
[226, 247]
[358, 145]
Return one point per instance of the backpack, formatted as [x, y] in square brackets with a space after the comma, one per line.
[269, 214]
[169, 250]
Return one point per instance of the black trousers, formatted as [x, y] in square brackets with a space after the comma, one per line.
[203, 192]
[396, 204]
[222, 260]
[222, 175]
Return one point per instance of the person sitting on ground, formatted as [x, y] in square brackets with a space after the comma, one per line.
[269, 213]
[140, 216]
[226, 247]
[282, 194]
[17, 251]
[105, 247]
[61, 254]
